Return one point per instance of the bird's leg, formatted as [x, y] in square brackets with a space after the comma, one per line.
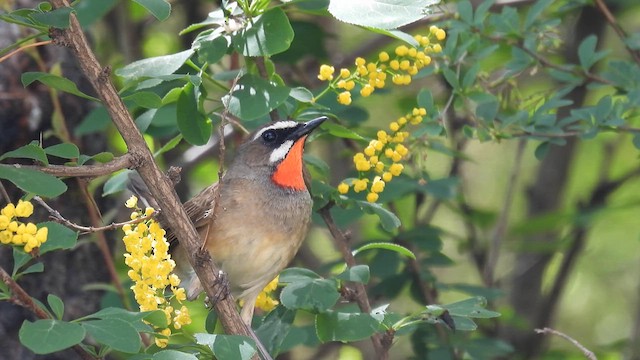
[223, 290]
[247, 310]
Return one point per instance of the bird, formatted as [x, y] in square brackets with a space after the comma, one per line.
[254, 219]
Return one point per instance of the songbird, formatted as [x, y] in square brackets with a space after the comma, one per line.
[262, 215]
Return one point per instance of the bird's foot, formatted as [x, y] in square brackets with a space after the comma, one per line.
[222, 282]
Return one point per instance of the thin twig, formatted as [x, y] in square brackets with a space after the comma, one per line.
[617, 28]
[57, 217]
[342, 242]
[41, 43]
[587, 353]
[4, 193]
[22, 298]
[501, 225]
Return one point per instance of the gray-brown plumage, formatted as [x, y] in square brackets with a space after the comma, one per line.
[263, 213]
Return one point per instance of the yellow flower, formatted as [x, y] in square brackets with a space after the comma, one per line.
[402, 50]
[326, 72]
[383, 56]
[4, 222]
[363, 165]
[349, 85]
[396, 169]
[440, 34]
[344, 98]
[437, 48]
[378, 185]
[24, 209]
[402, 150]
[394, 126]
[360, 185]
[9, 211]
[162, 342]
[132, 202]
[387, 176]
[372, 197]
[360, 61]
[343, 188]
[344, 73]
[6, 236]
[366, 90]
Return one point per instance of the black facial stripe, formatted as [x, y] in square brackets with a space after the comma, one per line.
[276, 137]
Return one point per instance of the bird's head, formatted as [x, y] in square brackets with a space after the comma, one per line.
[277, 148]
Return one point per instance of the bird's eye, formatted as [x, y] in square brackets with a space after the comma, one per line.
[269, 136]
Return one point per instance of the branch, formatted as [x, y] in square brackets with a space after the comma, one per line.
[587, 353]
[21, 298]
[341, 240]
[121, 162]
[159, 185]
[57, 217]
[617, 28]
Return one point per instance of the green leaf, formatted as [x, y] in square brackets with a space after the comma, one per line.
[33, 181]
[48, 336]
[155, 66]
[340, 131]
[58, 18]
[388, 219]
[59, 237]
[269, 34]
[228, 346]
[254, 97]
[587, 52]
[157, 318]
[115, 333]
[301, 94]
[340, 326]
[385, 246]
[64, 150]
[315, 295]
[380, 14]
[212, 48]
[29, 151]
[294, 274]
[97, 120]
[358, 273]
[116, 183]
[173, 355]
[636, 141]
[20, 258]
[472, 307]
[55, 82]
[195, 127]
[541, 150]
[145, 99]
[275, 327]
[160, 9]
[56, 305]
[169, 145]
[34, 268]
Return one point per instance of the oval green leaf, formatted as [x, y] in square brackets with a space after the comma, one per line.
[195, 127]
[254, 97]
[56, 82]
[339, 326]
[316, 295]
[160, 9]
[386, 246]
[269, 34]
[33, 181]
[48, 336]
[115, 333]
[381, 14]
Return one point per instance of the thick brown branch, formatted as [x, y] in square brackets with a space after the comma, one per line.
[121, 162]
[159, 185]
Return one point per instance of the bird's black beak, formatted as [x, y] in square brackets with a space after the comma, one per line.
[306, 128]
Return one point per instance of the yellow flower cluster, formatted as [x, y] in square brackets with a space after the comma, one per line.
[383, 156]
[15, 232]
[265, 300]
[151, 270]
[404, 63]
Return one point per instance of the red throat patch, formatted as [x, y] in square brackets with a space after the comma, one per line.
[288, 174]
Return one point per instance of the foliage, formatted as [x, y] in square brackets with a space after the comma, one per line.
[481, 74]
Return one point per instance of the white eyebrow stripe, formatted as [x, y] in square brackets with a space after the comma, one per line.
[279, 125]
[281, 152]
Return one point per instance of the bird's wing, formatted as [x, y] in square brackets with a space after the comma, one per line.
[199, 209]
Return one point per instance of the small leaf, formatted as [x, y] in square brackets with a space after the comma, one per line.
[194, 126]
[115, 333]
[340, 131]
[254, 97]
[29, 151]
[316, 295]
[55, 82]
[48, 336]
[145, 99]
[358, 273]
[116, 183]
[169, 145]
[340, 326]
[155, 66]
[386, 246]
[157, 318]
[56, 305]
[33, 181]
[269, 34]
[20, 258]
[541, 150]
[228, 346]
[294, 274]
[472, 307]
[587, 53]
[58, 18]
[59, 237]
[388, 219]
[173, 355]
[301, 94]
[64, 150]
[160, 9]
[380, 14]
[212, 48]
[275, 327]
